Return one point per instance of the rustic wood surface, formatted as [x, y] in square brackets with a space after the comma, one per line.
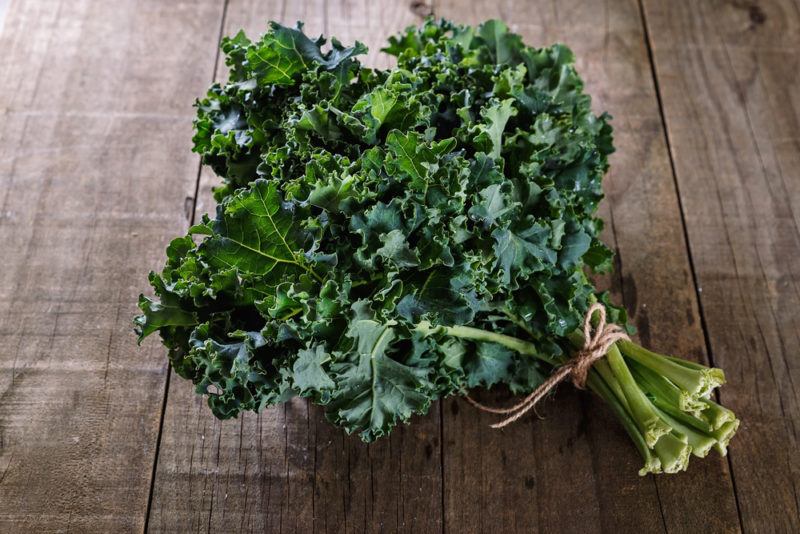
[703, 208]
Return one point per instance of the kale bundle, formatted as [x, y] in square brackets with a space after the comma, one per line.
[385, 238]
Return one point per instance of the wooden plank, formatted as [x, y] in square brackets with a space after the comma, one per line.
[728, 77]
[94, 166]
[288, 469]
[576, 470]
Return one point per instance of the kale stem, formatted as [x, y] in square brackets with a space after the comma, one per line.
[700, 442]
[476, 334]
[716, 415]
[695, 379]
[665, 391]
[723, 436]
[676, 413]
[643, 412]
[673, 450]
[604, 371]
[596, 383]
[518, 322]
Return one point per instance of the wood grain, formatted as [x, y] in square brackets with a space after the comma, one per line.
[576, 470]
[288, 469]
[728, 79]
[94, 166]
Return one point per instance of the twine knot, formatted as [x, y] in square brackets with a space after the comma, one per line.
[597, 341]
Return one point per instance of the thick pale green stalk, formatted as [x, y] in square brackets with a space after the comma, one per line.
[596, 383]
[697, 380]
[476, 334]
[723, 436]
[673, 450]
[605, 371]
[700, 442]
[716, 415]
[650, 424]
[684, 417]
[665, 391]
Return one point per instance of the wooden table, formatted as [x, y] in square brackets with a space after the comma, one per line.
[703, 202]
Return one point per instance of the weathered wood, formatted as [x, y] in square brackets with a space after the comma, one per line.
[288, 469]
[94, 167]
[728, 77]
[576, 470]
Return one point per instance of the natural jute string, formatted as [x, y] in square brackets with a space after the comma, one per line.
[595, 346]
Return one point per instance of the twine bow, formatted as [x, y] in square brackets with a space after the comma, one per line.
[595, 346]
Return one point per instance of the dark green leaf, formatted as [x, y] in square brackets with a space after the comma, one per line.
[373, 391]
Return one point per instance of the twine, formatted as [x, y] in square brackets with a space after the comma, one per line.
[596, 345]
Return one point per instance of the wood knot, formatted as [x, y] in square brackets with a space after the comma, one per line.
[757, 15]
[421, 8]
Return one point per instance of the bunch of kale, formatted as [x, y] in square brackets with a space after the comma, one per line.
[385, 238]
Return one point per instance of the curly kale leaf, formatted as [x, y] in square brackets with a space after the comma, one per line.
[283, 53]
[255, 234]
[374, 390]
